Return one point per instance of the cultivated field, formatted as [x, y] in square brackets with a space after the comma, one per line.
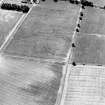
[8, 20]
[90, 49]
[12, 1]
[46, 33]
[98, 2]
[93, 21]
[86, 86]
[35, 82]
[26, 82]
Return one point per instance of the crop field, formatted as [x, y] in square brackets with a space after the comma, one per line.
[55, 57]
[98, 2]
[12, 1]
[18, 2]
[90, 49]
[8, 20]
[45, 33]
[29, 83]
[86, 86]
[85, 80]
[90, 40]
[93, 21]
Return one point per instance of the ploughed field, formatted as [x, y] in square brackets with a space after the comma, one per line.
[86, 86]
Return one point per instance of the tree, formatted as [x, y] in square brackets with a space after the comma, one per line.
[55, 0]
[87, 3]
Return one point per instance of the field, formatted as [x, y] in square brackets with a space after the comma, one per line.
[91, 52]
[100, 3]
[12, 1]
[86, 86]
[46, 33]
[85, 80]
[8, 20]
[90, 40]
[29, 82]
[93, 21]
[55, 56]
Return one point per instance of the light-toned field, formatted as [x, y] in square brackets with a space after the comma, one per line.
[8, 20]
[86, 86]
[18, 2]
[26, 82]
[12, 1]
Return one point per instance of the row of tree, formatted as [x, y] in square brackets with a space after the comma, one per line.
[15, 7]
[30, 1]
[87, 3]
[83, 2]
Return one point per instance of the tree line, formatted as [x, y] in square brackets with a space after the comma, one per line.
[15, 7]
[83, 2]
